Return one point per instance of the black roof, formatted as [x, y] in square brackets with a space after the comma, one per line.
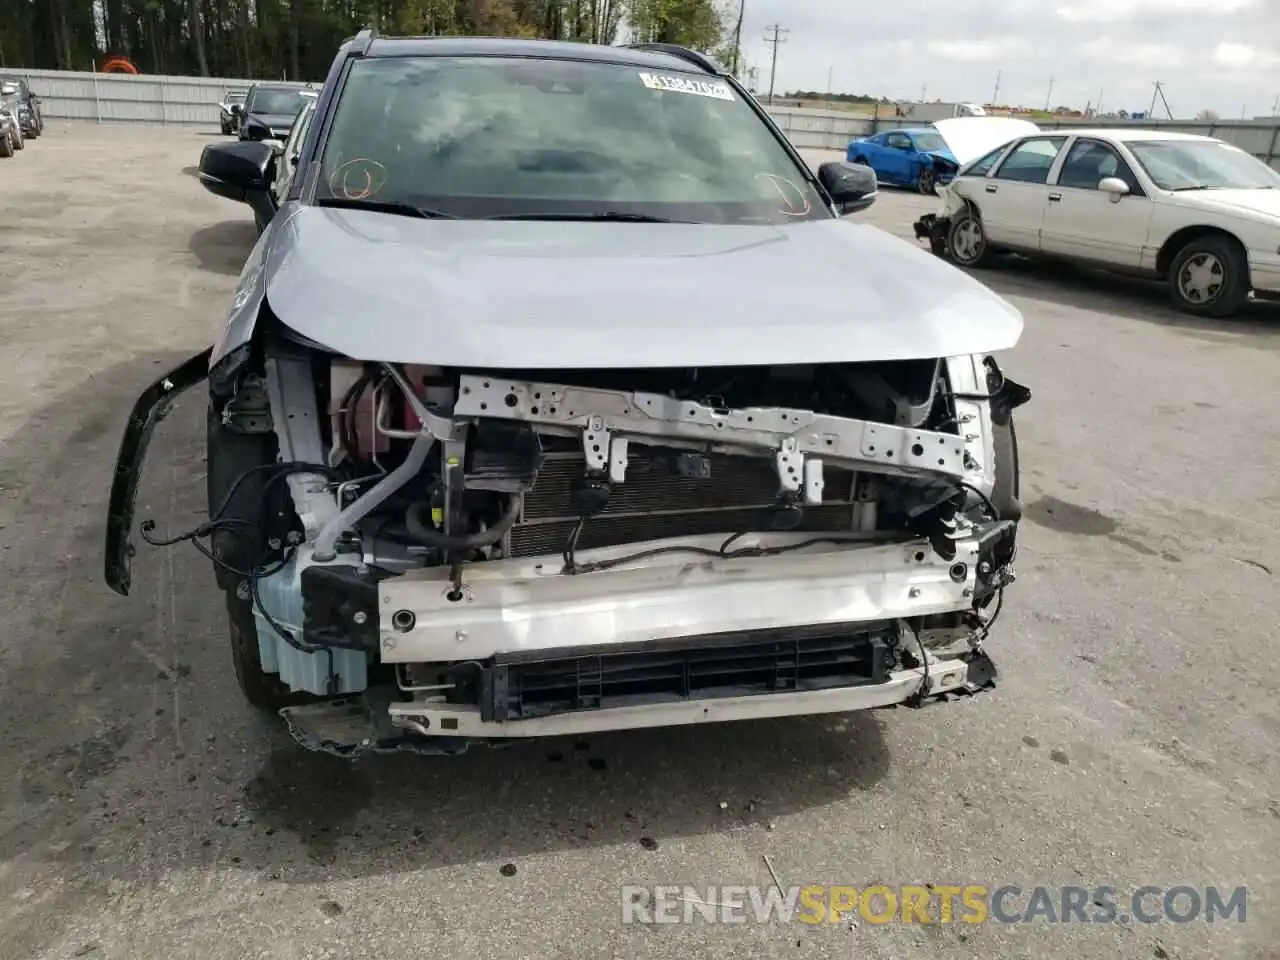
[652, 58]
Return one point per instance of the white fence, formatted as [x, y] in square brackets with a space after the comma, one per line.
[833, 129]
[122, 97]
[192, 101]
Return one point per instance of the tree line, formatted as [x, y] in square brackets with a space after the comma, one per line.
[296, 39]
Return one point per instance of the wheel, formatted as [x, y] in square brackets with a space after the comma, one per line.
[861, 161]
[967, 241]
[262, 690]
[927, 183]
[1210, 277]
[6, 146]
[35, 132]
[18, 142]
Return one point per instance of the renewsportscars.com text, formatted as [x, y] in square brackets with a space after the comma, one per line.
[933, 903]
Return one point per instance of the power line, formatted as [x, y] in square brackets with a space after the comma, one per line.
[774, 36]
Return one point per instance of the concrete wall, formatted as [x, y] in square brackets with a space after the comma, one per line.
[111, 98]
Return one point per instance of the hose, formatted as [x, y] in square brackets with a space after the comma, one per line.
[418, 521]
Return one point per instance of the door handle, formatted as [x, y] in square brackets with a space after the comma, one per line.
[991, 188]
[1055, 197]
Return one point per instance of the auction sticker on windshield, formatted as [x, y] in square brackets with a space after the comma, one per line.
[699, 88]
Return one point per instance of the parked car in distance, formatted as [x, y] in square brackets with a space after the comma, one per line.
[9, 132]
[559, 396]
[918, 112]
[917, 158]
[1198, 213]
[270, 109]
[29, 114]
[229, 109]
[9, 110]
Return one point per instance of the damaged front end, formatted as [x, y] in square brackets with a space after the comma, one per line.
[942, 170]
[933, 228]
[420, 557]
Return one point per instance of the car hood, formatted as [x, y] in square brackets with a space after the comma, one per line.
[971, 137]
[539, 294]
[1264, 202]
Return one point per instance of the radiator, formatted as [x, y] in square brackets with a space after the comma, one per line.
[655, 502]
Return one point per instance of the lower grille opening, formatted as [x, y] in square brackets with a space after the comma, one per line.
[517, 687]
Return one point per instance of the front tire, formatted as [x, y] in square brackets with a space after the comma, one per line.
[1210, 277]
[6, 146]
[967, 244]
[18, 142]
[926, 182]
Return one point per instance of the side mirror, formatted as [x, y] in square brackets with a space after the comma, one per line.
[240, 171]
[851, 186]
[1114, 186]
[237, 109]
[256, 129]
[277, 146]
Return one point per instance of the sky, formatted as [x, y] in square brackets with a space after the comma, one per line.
[1220, 55]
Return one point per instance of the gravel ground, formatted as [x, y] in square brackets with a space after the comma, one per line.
[147, 812]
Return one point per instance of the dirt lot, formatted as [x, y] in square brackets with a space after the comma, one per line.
[148, 813]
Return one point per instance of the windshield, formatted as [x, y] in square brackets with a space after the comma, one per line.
[276, 101]
[1201, 165]
[929, 142]
[485, 137]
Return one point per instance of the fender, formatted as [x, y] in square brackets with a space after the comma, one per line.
[219, 360]
[250, 295]
[149, 409]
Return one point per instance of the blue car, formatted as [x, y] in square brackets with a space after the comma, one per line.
[919, 159]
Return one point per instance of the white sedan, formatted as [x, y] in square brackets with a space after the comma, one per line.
[1199, 213]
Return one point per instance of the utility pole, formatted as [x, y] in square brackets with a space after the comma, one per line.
[737, 35]
[924, 87]
[995, 94]
[1048, 97]
[1098, 111]
[774, 36]
[1155, 92]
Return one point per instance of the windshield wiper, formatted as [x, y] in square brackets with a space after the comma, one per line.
[1192, 186]
[611, 216]
[385, 206]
